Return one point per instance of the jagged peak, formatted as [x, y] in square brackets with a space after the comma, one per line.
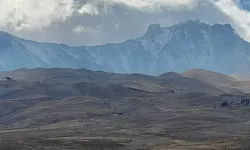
[197, 22]
[195, 25]
[154, 26]
[192, 25]
[154, 30]
[223, 26]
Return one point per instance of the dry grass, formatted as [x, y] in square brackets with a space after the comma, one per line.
[149, 116]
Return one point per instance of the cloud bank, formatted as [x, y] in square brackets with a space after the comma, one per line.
[31, 14]
[36, 15]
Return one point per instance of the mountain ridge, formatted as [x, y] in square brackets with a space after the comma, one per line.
[178, 48]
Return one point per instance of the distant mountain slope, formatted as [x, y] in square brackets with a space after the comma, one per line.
[218, 80]
[209, 76]
[178, 48]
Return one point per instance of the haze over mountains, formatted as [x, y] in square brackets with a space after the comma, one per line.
[178, 48]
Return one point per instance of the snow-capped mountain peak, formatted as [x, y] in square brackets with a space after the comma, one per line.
[191, 44]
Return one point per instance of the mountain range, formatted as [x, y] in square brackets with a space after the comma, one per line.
[178, 48]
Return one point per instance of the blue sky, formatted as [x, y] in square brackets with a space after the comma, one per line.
[93, 22]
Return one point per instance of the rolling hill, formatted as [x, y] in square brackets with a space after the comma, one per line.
[81, 109]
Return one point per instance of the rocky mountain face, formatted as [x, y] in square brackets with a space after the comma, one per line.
[178, 48]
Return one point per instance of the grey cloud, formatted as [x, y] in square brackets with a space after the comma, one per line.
[121, 22]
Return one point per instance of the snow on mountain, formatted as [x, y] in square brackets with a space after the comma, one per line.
[178, 48]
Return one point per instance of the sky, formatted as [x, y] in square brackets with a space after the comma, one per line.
[96, 22]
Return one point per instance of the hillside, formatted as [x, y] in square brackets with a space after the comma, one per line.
[209, 76]
[81, 109]
[221, 81]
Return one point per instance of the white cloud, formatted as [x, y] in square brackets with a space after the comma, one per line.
[82, 28]
[79, 29]
[154, 4]
[89, 9]
[240, 18]
[36, 14]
